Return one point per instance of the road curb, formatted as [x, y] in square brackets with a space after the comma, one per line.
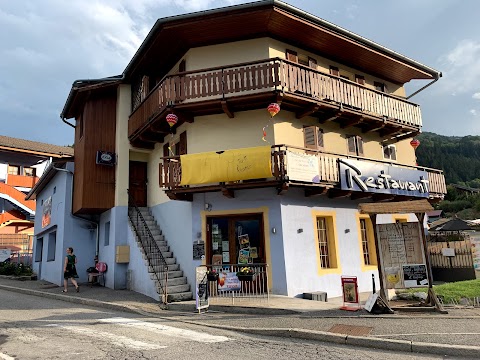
[315, 335]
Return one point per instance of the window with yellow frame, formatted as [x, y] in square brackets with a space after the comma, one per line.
[400, 218]
[327, 250]
[367, 241]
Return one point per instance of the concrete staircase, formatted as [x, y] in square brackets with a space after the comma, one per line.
[177, 286]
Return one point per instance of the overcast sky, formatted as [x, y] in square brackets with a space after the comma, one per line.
[47, 44]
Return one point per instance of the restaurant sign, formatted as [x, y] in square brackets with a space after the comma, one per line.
[366, 176]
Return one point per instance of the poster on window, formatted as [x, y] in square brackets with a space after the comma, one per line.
[243, 256]
[47, 212]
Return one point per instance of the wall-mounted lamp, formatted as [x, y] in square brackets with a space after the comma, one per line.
[299, 231]
[208, 207]
[274, 231]
[347, 231]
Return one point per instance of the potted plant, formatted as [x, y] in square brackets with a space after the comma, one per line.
[212, 275]
[245, 274]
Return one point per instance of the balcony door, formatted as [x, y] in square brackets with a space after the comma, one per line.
[236, 239]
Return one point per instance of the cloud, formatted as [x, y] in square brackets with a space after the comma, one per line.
[476, 96]
[462, 68]
[473, 112]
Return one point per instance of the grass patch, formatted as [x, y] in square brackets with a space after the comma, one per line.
[454, 291]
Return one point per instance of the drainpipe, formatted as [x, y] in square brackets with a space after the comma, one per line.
[97, 235]
[423, 88]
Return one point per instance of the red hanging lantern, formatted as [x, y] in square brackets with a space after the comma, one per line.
[172, 119]
[273, 109]
[415, 143]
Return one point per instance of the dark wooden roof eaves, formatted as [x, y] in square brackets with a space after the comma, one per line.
[171, 37]
[29, 145]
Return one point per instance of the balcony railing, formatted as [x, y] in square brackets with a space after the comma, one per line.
[171, 173]
[223, 83]
[21, 180]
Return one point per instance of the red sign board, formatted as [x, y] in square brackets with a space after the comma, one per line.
[350, 292]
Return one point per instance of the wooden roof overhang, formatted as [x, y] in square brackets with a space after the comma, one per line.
[170, 39]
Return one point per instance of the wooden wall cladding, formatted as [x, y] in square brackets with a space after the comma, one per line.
[94, 185]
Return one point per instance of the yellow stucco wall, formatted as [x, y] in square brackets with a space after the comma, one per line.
[278, 48]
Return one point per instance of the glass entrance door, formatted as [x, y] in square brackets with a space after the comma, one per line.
[235, 240]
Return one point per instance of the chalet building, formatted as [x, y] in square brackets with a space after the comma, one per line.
[180, 162]
[21, 164]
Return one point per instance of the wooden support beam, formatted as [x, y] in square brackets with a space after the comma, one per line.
[331, 115]
[351, 122]
[315, 191]
[389, 132]
[382, 197]
[227, 110]
[179, 196]
[374, 127]
[155, 128]
[337, 193]
[228, 193]
[404, 136]
[360, 195]
[308, 111]
[144, 138]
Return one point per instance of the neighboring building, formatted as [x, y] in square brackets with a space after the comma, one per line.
[342, 137]
[434, 216]
[21, 163]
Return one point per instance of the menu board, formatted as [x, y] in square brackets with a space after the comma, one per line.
[400, 245]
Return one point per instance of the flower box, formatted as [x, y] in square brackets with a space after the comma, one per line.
[212, 277]
[245, 277]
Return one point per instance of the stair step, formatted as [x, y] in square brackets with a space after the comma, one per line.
[170, 260]
[164, 248]
[180, 296]
[161, 242]
[172, 281]
[159, 237]
[156, 232]
[175, 274]
[158, 269]
[177, 289]
[150, 223]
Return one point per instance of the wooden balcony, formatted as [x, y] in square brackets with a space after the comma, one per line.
[21, 180]
[298, 88]
[284, 175]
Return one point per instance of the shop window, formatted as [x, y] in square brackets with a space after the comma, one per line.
[107, 234]
[355, 145]
[390, 152]
[39, 250]
[52, 245]
[13, 170]
[367, 239]
[326, 243]
[313, 137]
[360, 79]
[334, 71]
[379, 86]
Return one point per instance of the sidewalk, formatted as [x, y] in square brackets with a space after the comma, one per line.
[456, 334]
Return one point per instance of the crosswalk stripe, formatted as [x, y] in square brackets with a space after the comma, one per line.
[167, 330]
[118, 340]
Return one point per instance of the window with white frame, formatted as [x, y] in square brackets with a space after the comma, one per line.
[365, 242]
[390, 152]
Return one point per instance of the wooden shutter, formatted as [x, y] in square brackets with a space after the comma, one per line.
[360, 79]
[291, 55]
[334, 71]
[312, 63]
[182, 148]
[166, 152]
[352, 149]
[309, 137]
[359, 141]
[182, 66]
[320, 144]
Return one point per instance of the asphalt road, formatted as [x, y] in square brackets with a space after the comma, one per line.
[37, 328]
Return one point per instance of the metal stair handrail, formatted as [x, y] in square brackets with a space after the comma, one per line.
[150, 247]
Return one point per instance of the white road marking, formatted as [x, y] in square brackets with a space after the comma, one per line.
[6, 357]
[167, 330]
[118, 340]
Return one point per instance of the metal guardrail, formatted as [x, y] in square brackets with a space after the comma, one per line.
[251, 287]
[150, 247]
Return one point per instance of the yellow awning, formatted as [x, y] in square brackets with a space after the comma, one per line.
[229, 165]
